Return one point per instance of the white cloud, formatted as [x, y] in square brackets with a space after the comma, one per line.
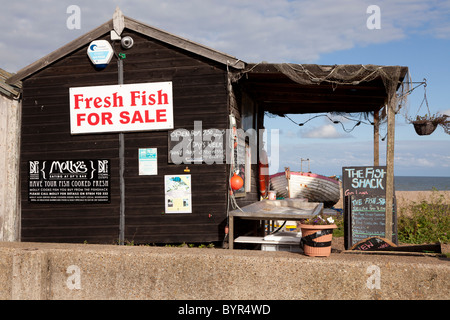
[254, 31]
[327, 131]
[446, 112]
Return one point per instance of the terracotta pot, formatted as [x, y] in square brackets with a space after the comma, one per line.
[316, 239]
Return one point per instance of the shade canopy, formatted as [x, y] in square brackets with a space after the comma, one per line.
[296, 88]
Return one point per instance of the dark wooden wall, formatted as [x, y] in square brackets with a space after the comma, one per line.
[199, 93]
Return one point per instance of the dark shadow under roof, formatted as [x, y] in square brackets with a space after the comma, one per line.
[295, 88]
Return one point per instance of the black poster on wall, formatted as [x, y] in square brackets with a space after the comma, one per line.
[196, 146]
[69, 181]
[364, 190]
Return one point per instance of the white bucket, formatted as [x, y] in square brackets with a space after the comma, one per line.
[272, 195]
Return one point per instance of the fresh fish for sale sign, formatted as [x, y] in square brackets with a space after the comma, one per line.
[121, 108]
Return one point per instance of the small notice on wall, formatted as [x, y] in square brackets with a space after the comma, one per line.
[148, 161]
[69, 181]
[197, 146]
[178, 193]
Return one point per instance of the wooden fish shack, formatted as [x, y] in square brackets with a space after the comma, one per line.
[97, 150]
[132, 134]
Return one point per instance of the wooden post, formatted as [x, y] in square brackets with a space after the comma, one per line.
[376, 138]
[390, 171]
[10, 124]
[231, 232]
[287, 173]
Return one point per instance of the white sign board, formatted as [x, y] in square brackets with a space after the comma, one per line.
[121, 108]
[100, 53]
[148, 161]
[178, 190]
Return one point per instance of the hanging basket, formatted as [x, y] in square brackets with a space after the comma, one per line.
[424, 128]
[425, 125]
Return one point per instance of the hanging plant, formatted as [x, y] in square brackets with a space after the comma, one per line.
[425, 125]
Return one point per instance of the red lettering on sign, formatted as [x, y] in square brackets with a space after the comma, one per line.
[134, 96]
[161, 115]
[107, 102]
[118, 100]
[162, 96]
[87, 100]
[140, 98]
[147, 117]
[124, 115]
[137, 117]
[78, 99]
[134, 107]
[80, 117]
[151, 99]
[97, 102]
[93, 119]
[106, 117]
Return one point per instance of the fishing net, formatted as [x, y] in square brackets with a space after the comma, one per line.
[446, 125]
[352, 75]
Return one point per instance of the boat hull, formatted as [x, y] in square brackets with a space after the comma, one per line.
[314, 187]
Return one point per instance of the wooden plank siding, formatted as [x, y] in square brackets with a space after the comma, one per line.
[9, 166]
[199, 94]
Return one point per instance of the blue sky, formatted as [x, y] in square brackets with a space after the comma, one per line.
[412, 33]
[427, 57]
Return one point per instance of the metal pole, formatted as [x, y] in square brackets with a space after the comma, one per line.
[121, 168]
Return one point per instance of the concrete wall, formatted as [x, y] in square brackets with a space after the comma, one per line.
[62, 271]
[10, 115]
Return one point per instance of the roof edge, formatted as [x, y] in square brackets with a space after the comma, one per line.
[60, 52]
[184, 43]
[134, 25]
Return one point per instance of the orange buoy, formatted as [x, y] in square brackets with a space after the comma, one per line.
[236, 182]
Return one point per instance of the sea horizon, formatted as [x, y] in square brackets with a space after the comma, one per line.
[421, 183]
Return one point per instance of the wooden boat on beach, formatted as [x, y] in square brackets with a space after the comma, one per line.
[314, 187]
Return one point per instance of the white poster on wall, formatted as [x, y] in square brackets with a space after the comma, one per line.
[148, 161]
[121, 108]
[178, 194]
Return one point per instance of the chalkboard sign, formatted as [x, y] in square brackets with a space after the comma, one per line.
[364, 190]
[373, 244]
[367, 216]
[197, 146]
[364, 180]
[69, 181]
